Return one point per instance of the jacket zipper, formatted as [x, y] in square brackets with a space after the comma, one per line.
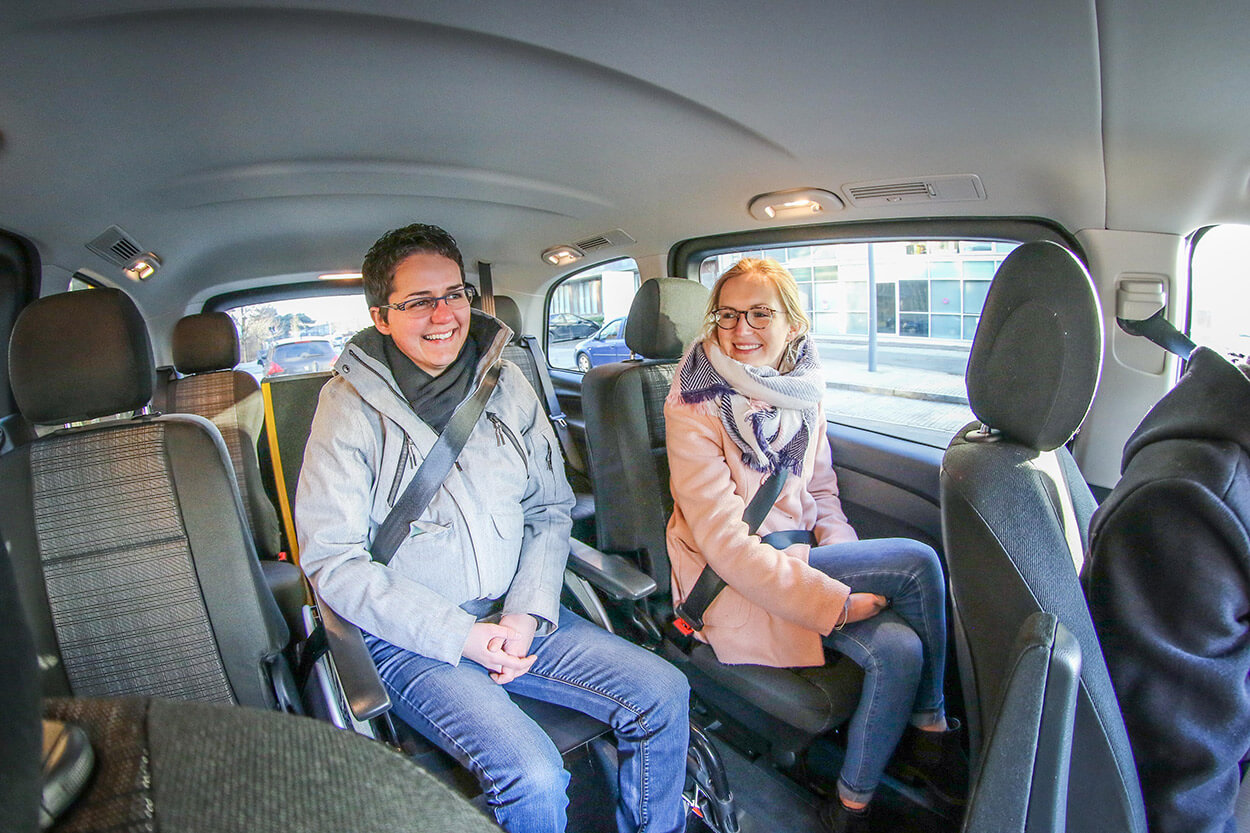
[502, 430]
[405, 455]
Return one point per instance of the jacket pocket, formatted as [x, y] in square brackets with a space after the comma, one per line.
[504, 433]
[427, 530]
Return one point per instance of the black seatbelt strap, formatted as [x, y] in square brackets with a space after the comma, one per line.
[571, 455]
[433, 471]
[1158, 329]
[690, 612]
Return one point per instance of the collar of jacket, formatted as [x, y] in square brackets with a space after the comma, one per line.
[361, 365]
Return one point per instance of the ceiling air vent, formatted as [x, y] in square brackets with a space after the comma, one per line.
[615, 237]
[925, 189]
[115, 246]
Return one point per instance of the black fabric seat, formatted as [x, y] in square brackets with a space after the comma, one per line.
[526, 353]
[624, 407]
[133, 559]
[206, 349]
[170, 766]
[1022, 785]
[1016, 511]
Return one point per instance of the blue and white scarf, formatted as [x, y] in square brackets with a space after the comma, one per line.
[769, 414]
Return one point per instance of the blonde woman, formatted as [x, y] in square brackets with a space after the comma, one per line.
[746, 403]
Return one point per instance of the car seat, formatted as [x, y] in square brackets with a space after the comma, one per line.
[1022, 785]
[206, 349]
[624, 406]
[127, 535]
[1016, 510]
[526, 353]
[170, 766]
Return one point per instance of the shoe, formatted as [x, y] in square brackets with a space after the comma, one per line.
[938, 760]
[67, 764]
[838, 818]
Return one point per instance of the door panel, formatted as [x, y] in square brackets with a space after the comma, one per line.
[888, 486]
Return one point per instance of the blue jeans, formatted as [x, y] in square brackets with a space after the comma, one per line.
[902, 649]
[581, 666]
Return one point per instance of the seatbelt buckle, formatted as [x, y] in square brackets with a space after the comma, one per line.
[561, 420]
[684, 622]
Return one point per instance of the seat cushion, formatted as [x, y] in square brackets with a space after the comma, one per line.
[813, 700]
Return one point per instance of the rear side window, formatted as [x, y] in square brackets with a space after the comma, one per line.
[321, 325]
[579, 305]
[893, 322]
[1220, 286]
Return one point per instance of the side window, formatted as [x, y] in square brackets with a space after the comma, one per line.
[297, 335]
[577, 307]
[893, 322]
[1220, 291]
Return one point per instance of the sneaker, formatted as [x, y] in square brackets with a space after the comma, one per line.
[936, 759]
[838, 818]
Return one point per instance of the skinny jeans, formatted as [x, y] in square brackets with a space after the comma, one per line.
[902, 649]
[580, 666]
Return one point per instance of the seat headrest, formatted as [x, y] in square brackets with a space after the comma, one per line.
[666, 315]
[80, 355]
[507, 311]
[1037, 353]
[205, 342]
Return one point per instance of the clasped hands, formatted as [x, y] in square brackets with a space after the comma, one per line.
[502, 649]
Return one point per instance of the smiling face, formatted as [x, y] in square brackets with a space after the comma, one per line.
[434, 341]
[758, 348]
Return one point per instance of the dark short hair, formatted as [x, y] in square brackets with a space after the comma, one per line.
[378, 270]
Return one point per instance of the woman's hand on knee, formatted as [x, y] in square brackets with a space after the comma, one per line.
[861, 606]
[485, 646]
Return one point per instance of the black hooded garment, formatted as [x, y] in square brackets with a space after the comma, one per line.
[1168, 582]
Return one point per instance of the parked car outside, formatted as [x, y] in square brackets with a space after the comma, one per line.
[607, 345]
[300, 355]
[255, 367]
[565, 326]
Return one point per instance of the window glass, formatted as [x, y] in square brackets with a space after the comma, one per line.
[974, 296]
[297, 335]
[593, 296]
[929, 296]
[1220, 287]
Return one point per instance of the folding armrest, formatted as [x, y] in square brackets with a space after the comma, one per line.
[611, 574]
[362, 687]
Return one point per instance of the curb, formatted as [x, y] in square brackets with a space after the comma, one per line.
[926, 396]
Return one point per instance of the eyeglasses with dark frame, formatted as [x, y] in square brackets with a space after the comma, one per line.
[422, 307]
[758, 317]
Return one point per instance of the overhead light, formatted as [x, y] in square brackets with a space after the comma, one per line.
[562, 255]
[795, 204]
[142, 267]
[340, 276]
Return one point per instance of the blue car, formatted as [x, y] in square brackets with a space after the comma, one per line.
[605, 346]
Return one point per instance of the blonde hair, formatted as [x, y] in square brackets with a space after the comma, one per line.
[778, 277]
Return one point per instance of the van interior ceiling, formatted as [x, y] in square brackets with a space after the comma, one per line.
[209, 156]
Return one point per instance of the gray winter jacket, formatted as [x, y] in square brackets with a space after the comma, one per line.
[499, 526]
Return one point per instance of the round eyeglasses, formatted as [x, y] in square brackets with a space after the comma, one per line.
[424, 307]
[757, 317]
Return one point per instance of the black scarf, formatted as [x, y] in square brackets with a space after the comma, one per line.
[434, 398]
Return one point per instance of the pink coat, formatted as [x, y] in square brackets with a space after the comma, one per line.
[776, 607]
